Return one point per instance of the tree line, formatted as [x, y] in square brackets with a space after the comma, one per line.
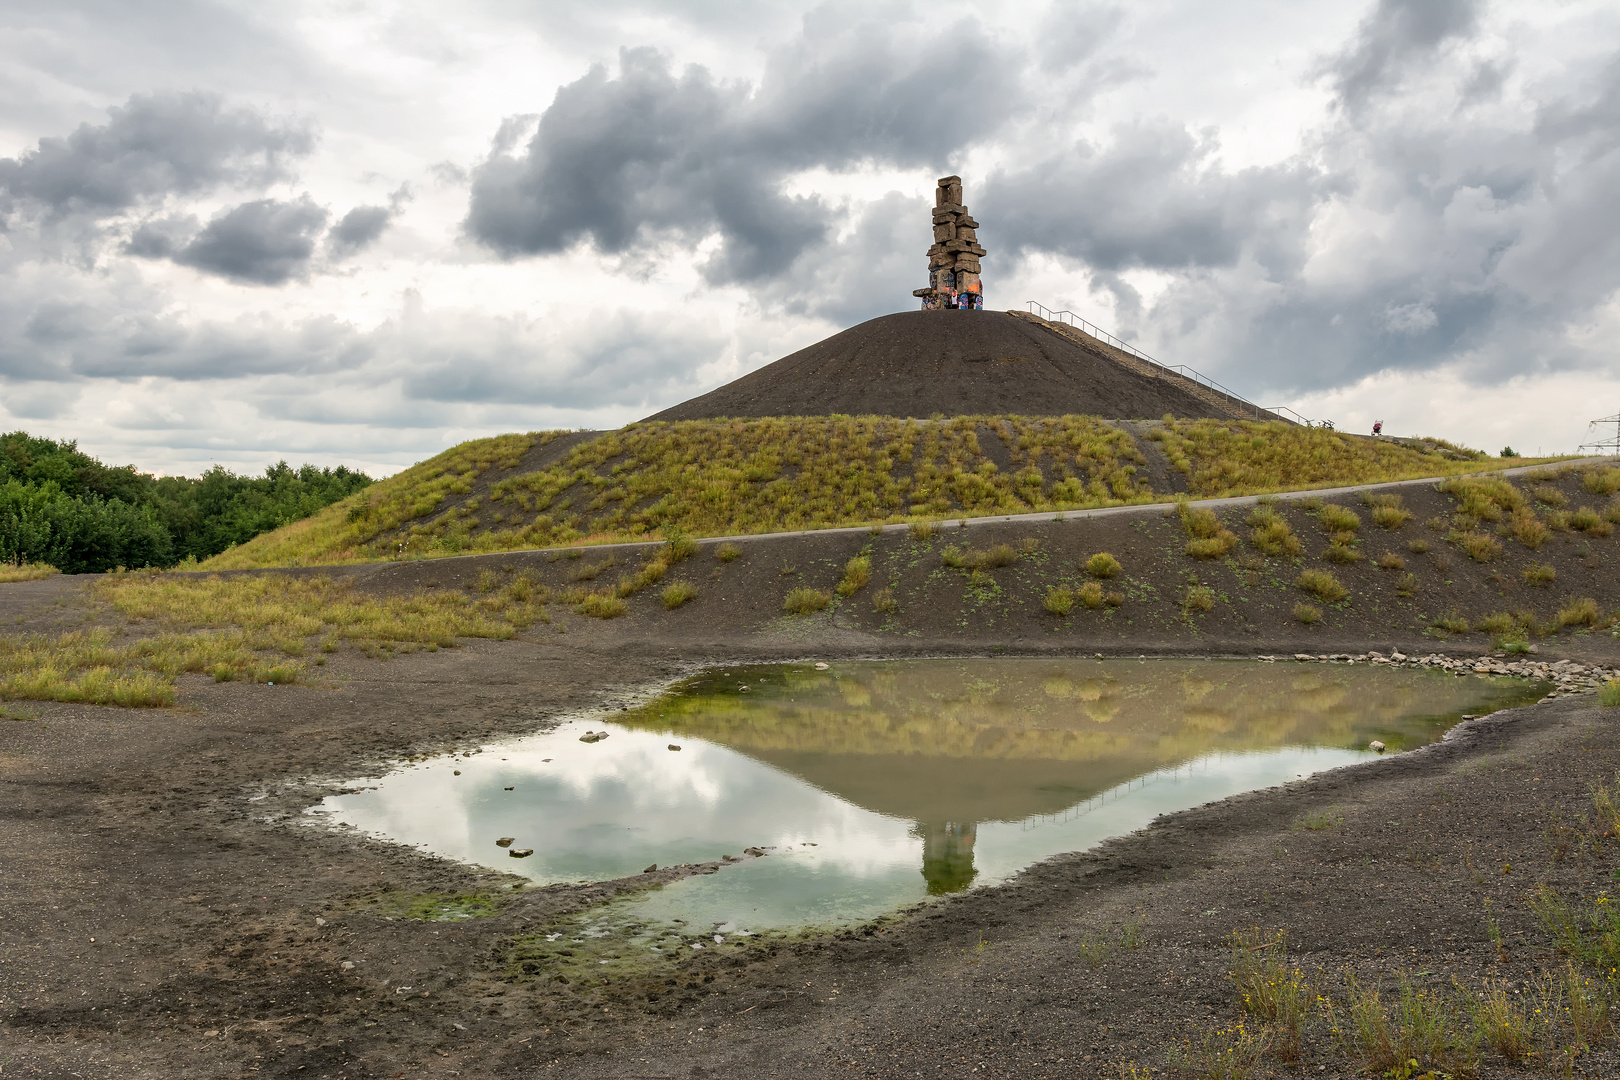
[61, 506]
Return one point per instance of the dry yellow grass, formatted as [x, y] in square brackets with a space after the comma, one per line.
[253, 629]
[26, 571]
[715, 478]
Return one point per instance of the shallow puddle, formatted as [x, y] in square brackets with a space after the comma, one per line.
[873, 785]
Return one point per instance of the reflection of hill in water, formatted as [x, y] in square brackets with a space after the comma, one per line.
[1001, 740]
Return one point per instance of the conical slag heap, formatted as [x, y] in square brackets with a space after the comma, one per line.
[953, 261]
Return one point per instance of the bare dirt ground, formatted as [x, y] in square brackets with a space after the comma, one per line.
[919, 363]
[165, 911]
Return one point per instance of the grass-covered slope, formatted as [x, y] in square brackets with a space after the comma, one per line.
[726, 477]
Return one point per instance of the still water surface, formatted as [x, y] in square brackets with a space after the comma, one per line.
[875, 784]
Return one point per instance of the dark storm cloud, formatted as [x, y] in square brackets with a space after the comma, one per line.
[1148, 200]
[153, 146]
[263, 242]
[358, 230]
[364, 225]
[160, 238]
[620, 160]
[1390, 38]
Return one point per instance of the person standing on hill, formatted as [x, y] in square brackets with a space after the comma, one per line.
[1378, 427]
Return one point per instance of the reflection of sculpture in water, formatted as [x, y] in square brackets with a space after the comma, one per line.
[948, 856]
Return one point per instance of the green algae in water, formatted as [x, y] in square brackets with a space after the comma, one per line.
[875, 785]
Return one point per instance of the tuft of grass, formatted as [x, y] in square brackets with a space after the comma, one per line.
[677, 593]
[1322, 820]
[1407, 586]
[727, 552]
[1481, 547]
[1502, 1024]
[1103, 565]
[1589, 933]
[1527, 529]
[26, 571]
[1390, 517]
[601, 605]
[1601, 481]
[1499, 622]
[1343, 554]
[805, 601]
[677, 544]
[1335, 518]
[1270, 987]
[591, 571]
[1227, 1054]
[1198, 598]
[1091, 596]
[1391, 561]
[1322, 585]
[1582, 612]
[1453, 622]
[1539, 574]
[1209, 539]
[1418, 1026]
[1609, 693]
[1548, 495]
[1590, 522]
[1418, 547]
[1309, 614]
[857, 573]
[1271, 534]
[967, 559]
[884, 600]
[1484, 498]
[1059, 600]
[1094, 947]
[923, 531]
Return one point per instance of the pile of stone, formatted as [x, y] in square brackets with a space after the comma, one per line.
[1567, 676]
[953, 261]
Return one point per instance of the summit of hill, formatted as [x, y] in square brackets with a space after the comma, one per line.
[963, 363]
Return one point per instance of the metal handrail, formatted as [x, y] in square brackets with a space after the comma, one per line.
[1044, 312]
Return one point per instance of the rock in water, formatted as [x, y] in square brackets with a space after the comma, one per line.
[521, 852]
[505, 841]
[1376, 745]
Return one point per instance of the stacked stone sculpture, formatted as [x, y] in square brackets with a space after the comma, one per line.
[953, 261]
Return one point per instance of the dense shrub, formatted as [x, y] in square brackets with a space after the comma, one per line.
[63, 507]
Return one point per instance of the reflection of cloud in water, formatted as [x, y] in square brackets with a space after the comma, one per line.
[908, 778]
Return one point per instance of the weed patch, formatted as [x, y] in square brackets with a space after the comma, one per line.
[1103, 565]
[1582, 612]
[857, 573]
[1540, 574]
[1198, 598]
[1309, 614]
[1209, 539]
[25, 571]
[805, 601]
[677, 593]
[1322, 585]
[1271, 534]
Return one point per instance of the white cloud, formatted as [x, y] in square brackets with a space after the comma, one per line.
[246, 235]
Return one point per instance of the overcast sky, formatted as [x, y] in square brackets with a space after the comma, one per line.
[360, 232]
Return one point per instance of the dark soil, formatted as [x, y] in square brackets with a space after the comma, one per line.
[160, 888]
[918, 363]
